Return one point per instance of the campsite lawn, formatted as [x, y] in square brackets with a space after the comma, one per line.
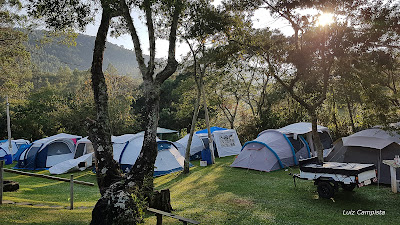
[215, 194]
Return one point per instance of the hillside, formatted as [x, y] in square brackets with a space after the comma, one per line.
[49, 57]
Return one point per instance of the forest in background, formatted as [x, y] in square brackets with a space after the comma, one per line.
[53, 93]
[51, 55]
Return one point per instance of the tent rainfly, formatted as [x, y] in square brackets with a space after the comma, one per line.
[368, 146]
[46, 152]
[272, 150]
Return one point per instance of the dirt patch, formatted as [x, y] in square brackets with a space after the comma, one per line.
[243, 203]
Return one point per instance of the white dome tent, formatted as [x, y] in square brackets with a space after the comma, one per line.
[127, 149]
[46, 152]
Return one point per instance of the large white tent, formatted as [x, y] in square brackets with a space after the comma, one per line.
[305, 129]
[127, 149]
[47, 152]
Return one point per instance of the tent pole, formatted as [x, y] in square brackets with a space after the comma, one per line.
[9, 128]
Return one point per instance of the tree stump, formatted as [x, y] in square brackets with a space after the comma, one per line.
[161, 200]
[9, 185]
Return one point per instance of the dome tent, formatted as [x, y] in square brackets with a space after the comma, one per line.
[16, 146]
[127, 149]
[271, 150]
[47, 152]
[195, 148]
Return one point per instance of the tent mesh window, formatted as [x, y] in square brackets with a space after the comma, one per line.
[79, 150]
[58, 148]
[297, 144]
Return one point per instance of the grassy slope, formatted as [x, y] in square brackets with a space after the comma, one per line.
[215, 194]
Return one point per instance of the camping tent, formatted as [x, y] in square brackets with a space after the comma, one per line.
[83, 158]
[161, 131]
[368, 146]
[305, 129]
[195, 148]
[72, 164]
[226, 142]
[83, 146]
[47, 152]
[127, 149]
[272, 150]
[5, 152]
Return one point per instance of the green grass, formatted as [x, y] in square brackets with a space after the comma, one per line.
[215, 194]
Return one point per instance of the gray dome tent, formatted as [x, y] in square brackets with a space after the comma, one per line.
[272, 150]
[368, 146]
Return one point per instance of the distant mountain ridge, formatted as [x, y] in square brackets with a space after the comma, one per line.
[53, 55]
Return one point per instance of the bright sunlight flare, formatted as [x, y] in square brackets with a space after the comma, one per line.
[325, 19]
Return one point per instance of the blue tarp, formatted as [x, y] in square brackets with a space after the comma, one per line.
[212, 129]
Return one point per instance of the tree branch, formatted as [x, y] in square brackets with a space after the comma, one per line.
[135, 38]
[172, 64]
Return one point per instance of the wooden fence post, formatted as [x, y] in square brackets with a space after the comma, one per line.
[71, 192]
[1, 181]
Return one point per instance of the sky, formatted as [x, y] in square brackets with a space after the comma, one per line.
[261, 19]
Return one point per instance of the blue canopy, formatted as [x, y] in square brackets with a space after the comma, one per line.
[212, 129]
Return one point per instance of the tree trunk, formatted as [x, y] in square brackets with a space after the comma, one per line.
[210, 139]
[143, 170]
[316, 138]
[350, 114]
[192, 127]
[161, 200]
[116, 205]
[334, 114]
[99, 133]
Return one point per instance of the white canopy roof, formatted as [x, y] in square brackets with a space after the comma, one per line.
[301, 128]
[372, 138]
[55, 137]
